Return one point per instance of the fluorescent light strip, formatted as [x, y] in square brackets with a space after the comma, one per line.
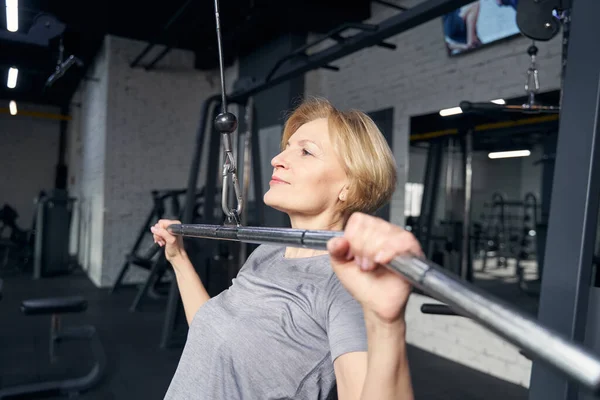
[509, 154]
[13, 107]
[13, 73]
[499, 101]
[12, 15]
[450, 111]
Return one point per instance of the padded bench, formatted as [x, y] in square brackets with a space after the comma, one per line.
[56, 306]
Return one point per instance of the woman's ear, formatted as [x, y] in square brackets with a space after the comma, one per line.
[343, 196]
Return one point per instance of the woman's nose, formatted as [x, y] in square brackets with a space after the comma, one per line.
[279, 161]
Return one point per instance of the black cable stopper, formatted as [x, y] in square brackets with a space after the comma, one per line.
[532, 50]
[226, 122]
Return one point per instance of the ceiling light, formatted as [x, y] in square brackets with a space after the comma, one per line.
[12, 15]
[450, 111]
[13, 107]
[499, 101]
[12, 78]
[509, 154]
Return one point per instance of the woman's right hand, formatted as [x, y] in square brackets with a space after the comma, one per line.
[173, 243]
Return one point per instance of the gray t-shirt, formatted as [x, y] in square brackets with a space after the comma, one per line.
[274, 334]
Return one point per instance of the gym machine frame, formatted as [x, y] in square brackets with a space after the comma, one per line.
[291, 68]
[574, 247]
[540, 342]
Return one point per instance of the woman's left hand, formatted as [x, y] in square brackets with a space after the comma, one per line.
[357, 258]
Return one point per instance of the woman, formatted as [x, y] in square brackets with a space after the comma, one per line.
[460, 28]
[291, 326]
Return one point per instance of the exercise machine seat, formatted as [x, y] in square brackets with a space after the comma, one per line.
[69, 387]
[54, 305]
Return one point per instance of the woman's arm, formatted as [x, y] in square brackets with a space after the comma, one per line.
[357, 258]
[193, 293]
[382, 372]
[388, 375]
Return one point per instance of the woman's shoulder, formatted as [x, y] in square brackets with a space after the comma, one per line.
[264, 252]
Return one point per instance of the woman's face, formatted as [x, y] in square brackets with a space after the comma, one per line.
[308, 178]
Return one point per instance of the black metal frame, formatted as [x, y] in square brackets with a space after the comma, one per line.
[429, 200]
[154, 42]
[567, 273]
[392, 26]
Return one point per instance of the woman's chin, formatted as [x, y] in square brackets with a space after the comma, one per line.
[271, 200]
[277, 204]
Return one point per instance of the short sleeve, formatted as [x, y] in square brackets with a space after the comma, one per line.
[344, 321]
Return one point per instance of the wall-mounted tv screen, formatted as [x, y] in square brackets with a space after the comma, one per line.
[479, 23]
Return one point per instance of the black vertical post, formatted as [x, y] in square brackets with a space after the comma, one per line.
[173, 301]
[466, 270]
[60, 181]
[566, 278]
[433, 171]
[257, 170]
[549, 149]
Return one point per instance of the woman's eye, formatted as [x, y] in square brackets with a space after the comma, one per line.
[306, 152]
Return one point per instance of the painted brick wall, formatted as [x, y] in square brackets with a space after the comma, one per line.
[87, 158]
[133, 131]
[418, 78]
[28, 156]
[152, 119]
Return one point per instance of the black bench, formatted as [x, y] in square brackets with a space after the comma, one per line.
[55, 306]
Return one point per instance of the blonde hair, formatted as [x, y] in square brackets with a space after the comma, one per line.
[362, 150]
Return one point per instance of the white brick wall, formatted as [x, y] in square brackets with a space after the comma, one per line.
[418, 78]
[87, 158]
[147, 132]
[28, 157]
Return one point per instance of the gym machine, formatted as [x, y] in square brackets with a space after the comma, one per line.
[55, 307]
[52, 230]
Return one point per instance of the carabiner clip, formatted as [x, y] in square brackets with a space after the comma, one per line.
[229, 168]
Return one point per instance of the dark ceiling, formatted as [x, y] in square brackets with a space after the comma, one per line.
[186, 24]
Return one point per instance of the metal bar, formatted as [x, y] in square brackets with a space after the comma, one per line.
[395, 25]
[467, 106]
[331, 67]
[187, 217]
[567, 274]
[465, 257]
[437, 309]
[257, 168]
[333, 34]
[156, 59]
[170, 22]
[430, 196]
[60, 179]
[391, 5]
[466, 299]
[486, 127]
[387, 45]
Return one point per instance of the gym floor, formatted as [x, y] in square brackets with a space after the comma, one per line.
[136, 366]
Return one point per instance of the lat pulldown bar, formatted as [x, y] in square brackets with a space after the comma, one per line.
[515, 327]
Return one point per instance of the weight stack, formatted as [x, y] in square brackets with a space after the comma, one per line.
[52, 231]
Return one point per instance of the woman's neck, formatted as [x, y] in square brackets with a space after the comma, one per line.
[317, 222]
